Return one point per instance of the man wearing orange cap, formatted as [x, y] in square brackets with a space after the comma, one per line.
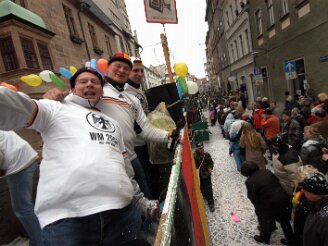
[127, 110]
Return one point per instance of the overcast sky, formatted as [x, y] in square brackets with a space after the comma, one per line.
[186, 39]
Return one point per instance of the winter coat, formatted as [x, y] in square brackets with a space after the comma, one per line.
[316, 225]
[306, 111]
[204, 162]
[301, 120]
[271, 125]
[322, 126]
[289, 105]
[257, 118]
[212, 115]
[265, 191]
[293, 132]
[228, 122]
[285, 168]
[255, 155]
[311, 153]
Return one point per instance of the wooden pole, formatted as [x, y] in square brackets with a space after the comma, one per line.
[167, 57]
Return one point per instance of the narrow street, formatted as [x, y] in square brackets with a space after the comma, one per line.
[230, 196]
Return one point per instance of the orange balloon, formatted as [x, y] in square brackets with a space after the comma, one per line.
[9, 86]
[102, 65]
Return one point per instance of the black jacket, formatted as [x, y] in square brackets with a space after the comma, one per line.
[204, 163]
[265, 191]
[316, 224]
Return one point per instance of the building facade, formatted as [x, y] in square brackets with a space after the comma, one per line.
[238, 41]
[229, 47]
[35, 36]
[152, 79]
[290, 46]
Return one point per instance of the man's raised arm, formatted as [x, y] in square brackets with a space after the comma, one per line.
[17, 109]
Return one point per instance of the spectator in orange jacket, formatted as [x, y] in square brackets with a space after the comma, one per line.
[271, 126]
[257, 118]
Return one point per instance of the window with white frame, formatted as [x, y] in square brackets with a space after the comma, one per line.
[236, 9]
[248, 48]
[284, 7]
[227, 18]
[237, 50]
[258, 18]
[270, 12]
[232, 53]
[241, 44]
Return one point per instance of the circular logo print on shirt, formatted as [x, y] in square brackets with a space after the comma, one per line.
[140, 97]
[100, 123]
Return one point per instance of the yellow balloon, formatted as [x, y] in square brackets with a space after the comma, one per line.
[72, 69]
[180, 69]
[32, 80]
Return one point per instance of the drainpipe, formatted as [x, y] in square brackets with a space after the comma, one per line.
[83, 6]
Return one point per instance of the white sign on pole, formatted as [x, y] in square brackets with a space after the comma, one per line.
[161, 11]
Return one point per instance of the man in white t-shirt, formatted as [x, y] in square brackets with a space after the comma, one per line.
[18, 161]
[86, 193]
[126, 110]
[151, 172]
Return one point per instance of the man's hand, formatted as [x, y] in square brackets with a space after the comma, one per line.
[55, 94]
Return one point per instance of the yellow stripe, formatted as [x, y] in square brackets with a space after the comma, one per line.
[200, 200]
[120, 103]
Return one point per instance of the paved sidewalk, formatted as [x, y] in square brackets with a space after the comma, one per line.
[230, 196]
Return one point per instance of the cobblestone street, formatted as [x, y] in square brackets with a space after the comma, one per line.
[230, 196]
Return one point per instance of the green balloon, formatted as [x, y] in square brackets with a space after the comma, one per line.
[183, 84]
[57, 81]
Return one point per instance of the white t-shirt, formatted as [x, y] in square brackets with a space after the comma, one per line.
[83, 169]
[17, 153]
[126, 109]
[139, 141]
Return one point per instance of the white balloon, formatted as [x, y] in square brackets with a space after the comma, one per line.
[45, 75]
[192, 87]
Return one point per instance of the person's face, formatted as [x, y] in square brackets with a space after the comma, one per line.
[200, 150]
[285, 117]
[307, 134]
[88, 85]
[272, 105]
[119, 71]
[310, 196]
[137, 73]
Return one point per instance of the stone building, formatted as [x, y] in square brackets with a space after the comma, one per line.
[37, 35]
[152, 78]
[229, 47]
[290, 45]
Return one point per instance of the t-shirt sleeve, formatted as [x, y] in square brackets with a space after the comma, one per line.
[46, 112]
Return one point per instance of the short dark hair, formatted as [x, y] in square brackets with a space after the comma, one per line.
[88, 70]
